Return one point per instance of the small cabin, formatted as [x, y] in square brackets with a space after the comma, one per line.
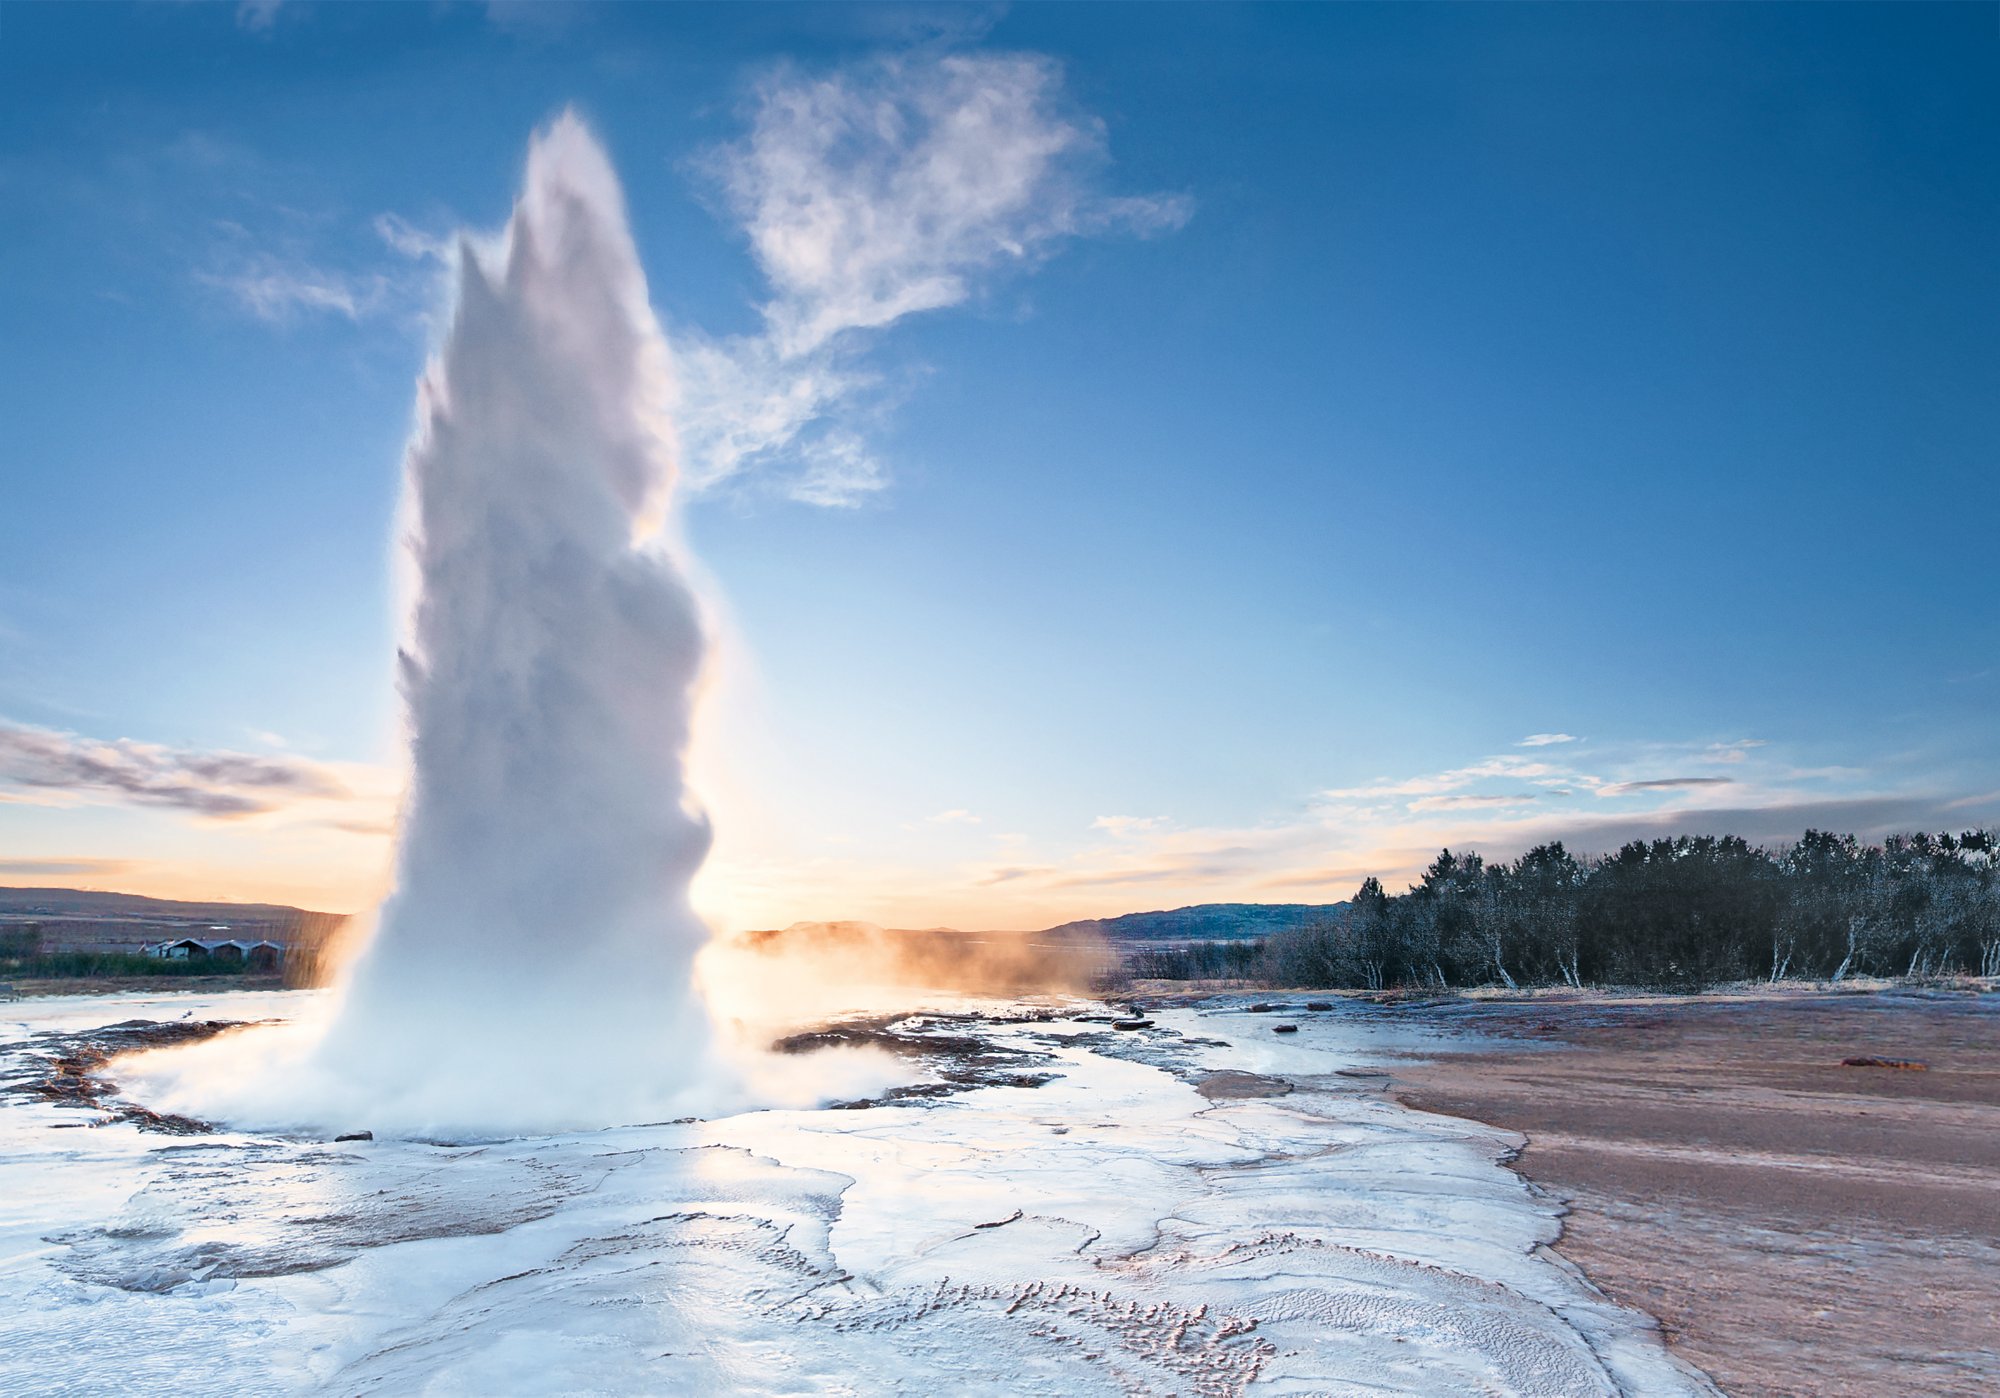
[255, 956]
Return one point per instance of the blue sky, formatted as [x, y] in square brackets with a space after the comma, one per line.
[1305, 408]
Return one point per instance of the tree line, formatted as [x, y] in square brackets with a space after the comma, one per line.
[1682, 912]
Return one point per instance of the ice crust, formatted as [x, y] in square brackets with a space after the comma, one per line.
[1111, 1232]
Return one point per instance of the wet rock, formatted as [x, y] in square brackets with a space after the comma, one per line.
[960, 1061]
[1131, 1024]
[66, 1069]
[1284, 1029]
[1319, 1005]
[354, 1136]
[1231, 1085]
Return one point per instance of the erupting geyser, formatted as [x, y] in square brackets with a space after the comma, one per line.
[534, 968]
[532, 965]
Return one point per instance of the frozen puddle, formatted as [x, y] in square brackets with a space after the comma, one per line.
[1111, 1232]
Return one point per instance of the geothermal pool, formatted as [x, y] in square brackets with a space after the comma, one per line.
[1111, 1230]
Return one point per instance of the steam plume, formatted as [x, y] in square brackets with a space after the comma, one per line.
[539, 937]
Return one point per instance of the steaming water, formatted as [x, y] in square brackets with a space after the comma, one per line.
[531, 969]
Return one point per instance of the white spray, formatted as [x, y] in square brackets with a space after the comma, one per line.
[539, 938]
[533, 969]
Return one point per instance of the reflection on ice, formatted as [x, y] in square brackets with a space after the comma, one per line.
[1112, 1231]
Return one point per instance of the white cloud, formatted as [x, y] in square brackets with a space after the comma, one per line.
[1469, 803]
[1502, 767]
[44, 765]
[1661, 784]
[277, 290]
[877, 191]
[887, 188]
[279, 275]
[257, 16]
[955, 817]
[837, 469]
[413, 242]
[1544, 740]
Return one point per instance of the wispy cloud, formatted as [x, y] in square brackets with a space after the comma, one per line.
[286, 259]
[1502, 767]
[44, 764]
[1007, 873]
[889, 187]
[1470, 803]
[411, 241]
[955, 817]
[1662, 784]
[257, 16]
[277, 290]
[1545, 740]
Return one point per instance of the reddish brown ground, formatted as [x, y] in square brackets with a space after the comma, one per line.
[1798, 1227]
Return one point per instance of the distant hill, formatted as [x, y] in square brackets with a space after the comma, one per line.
[83, 902]
[1204, 922]
[74, 919]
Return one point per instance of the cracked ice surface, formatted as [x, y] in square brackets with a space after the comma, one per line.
[1111, 1232]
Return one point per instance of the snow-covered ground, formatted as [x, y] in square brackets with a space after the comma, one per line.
[1112, 1231]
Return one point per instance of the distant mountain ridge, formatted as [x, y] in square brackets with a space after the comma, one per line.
[1204, 922]
[83, 902]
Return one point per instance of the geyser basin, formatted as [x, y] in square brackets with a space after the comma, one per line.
[1113, 1231]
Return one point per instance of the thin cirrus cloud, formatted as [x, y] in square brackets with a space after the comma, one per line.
[1504, 767]
[47, 766]
[877, 191]
[276, 290]
[268, 265]
[1662, 784]
[1470, 803]
[1546, 740]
